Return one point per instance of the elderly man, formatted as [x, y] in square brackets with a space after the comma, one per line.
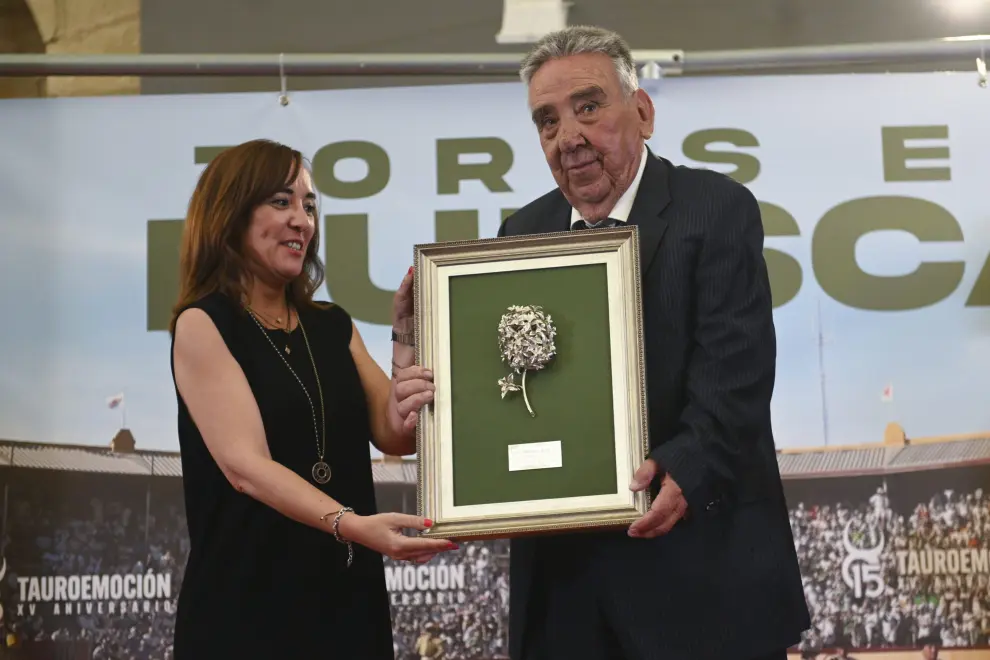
[710, 572]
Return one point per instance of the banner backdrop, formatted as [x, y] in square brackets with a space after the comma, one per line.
[92, 562]
[875, 205]
[873, 196]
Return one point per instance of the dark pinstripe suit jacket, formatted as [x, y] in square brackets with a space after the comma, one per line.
[725, 582]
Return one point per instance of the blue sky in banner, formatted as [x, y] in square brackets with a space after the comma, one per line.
[80, 178]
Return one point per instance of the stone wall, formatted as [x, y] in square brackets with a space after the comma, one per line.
[19, 34]
[69, 26]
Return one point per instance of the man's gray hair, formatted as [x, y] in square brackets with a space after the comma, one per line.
[580, 39]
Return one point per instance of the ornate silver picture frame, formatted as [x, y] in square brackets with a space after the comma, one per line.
[539, 419]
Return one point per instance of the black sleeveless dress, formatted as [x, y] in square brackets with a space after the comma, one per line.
[258, 584]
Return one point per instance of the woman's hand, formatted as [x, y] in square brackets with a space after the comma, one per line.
[383, 534]
[412, 388]
[403, 310]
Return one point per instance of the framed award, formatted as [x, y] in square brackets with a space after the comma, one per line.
[539, 417]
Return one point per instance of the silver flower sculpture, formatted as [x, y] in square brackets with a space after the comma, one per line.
[526, 339]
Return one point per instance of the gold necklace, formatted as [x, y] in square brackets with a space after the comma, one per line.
[321, 471]
[277, 323]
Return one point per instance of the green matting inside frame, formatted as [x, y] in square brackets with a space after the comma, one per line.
[572, 396]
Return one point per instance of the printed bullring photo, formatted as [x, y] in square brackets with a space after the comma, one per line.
[893, 540]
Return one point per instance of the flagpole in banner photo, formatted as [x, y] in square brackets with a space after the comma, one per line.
[117, 401]
[822, 384]
[887, 396]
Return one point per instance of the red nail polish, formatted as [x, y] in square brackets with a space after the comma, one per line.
[453, 546]
[428, 522]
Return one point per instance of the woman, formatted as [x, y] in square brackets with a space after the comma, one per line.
[278, 400]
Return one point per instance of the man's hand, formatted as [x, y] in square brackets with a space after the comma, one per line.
[668, 507]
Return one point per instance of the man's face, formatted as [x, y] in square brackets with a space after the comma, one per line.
[930, 652]
[591, 130]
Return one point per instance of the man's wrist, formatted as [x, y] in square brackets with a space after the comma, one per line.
[682, 459]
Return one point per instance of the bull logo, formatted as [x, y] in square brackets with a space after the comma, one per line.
[861, 567]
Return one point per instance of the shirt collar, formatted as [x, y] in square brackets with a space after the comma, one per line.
[624, 206]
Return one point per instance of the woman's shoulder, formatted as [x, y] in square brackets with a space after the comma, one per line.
[334, 317]
[216, 301]
[215, 304]
[221, 309]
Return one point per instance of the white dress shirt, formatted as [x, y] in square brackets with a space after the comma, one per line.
[620, 213]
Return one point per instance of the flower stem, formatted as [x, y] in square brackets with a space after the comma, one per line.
[525, 397]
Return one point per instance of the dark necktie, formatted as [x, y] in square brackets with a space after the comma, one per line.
[607, 223]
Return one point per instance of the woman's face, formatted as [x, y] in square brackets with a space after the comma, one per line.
[281, 230]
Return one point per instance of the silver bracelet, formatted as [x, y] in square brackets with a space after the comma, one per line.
[336, 533]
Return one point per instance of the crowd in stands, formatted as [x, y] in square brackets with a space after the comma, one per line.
[949, 609]
[49, 531]
[113, 529]
[473, 624]
[54, 529]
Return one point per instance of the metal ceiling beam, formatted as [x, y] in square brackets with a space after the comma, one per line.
[929, 52]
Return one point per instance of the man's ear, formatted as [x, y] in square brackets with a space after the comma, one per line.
[646, 112]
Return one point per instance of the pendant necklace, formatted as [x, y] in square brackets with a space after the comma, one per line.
[278, 323]
[321, 471]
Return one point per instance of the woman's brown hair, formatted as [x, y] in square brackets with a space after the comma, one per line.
[232, 186]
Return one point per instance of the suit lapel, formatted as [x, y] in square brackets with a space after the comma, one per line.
[557, 219]
[652, 198]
